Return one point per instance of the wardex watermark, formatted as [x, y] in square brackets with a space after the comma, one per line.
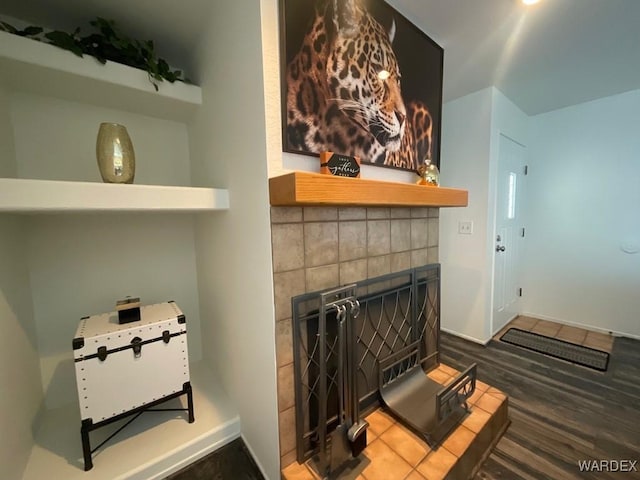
[608, 465]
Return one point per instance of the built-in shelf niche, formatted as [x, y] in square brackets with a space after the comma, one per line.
[30, 66]
[61, 258]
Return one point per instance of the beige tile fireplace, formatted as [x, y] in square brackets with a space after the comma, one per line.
[328, 231]
[322, 247]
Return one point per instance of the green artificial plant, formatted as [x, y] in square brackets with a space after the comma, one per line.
[105, 43]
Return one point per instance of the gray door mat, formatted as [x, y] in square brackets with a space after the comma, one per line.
[570, 352]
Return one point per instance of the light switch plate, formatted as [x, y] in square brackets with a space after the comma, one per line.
[465, 227]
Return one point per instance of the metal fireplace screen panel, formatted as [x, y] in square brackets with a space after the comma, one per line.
[427, 280]
[396, 310]
[385, 325]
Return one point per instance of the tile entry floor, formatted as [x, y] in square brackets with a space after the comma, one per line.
[579, 336]
[395, 453]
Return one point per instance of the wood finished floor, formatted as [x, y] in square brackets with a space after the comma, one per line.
[561, 413]
[231, 462]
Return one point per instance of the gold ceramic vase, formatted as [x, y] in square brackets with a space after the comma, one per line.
[114, 151]
[429, 174]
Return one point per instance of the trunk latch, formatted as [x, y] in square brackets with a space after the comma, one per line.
[137, 346]
[102, 353]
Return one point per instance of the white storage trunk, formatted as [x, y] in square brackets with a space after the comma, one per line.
[123, 367]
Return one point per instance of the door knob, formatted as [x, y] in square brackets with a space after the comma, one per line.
[500, 248]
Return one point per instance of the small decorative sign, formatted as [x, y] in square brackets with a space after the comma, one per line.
[339, 165]
[128, 310]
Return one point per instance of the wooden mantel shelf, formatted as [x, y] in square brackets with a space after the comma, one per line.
[307, 189]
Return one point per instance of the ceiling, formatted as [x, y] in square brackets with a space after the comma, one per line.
[543, 57]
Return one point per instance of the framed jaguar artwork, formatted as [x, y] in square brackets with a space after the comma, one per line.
[359, 79]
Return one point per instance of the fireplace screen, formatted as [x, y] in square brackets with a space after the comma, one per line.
[396, 310]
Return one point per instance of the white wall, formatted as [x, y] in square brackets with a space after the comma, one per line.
[584, 199]
[470, 136]
[229, 148]
[509, 120]
[56, 140]
[466, 136]
[21, 396]
[8, 168]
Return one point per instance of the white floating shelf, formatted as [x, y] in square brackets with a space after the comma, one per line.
[49, 196]
[27, 65]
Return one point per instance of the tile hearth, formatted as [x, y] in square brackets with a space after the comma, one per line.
[393, 452]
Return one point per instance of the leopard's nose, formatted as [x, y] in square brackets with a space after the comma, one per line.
[400, 116]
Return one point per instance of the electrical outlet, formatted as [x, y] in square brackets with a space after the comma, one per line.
[465, 228]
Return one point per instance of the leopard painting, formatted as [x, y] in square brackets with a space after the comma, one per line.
[416, 146]
[344, 94]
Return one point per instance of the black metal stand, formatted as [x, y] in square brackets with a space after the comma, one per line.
[88, 425]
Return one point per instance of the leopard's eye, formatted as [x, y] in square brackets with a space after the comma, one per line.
[383, 74]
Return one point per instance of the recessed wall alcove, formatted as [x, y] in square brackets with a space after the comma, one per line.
[70, 246]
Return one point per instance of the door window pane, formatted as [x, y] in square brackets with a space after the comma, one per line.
[511, 198]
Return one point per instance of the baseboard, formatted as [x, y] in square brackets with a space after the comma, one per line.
[466, 337]
[562, 321]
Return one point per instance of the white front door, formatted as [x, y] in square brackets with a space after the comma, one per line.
[509, 232]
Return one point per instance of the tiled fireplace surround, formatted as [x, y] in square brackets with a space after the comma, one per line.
[323, 247]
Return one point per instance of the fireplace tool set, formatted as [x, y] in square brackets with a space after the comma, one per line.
[349, 436]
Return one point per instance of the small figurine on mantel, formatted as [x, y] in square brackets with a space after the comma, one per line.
[428, 173]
